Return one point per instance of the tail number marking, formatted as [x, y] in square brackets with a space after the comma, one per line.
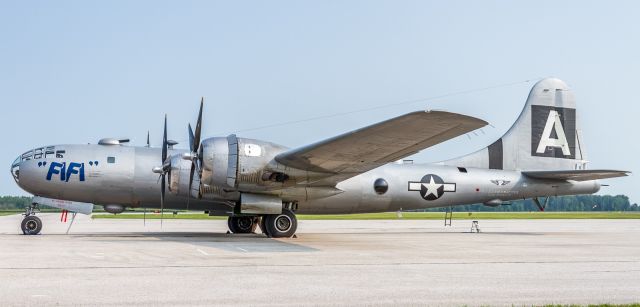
[553, 132]
[553, 122]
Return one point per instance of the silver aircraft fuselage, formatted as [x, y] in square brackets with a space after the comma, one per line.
[123, 175]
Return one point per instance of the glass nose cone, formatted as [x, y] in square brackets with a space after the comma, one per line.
[15, 169]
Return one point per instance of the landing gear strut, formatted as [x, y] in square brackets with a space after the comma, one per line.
[283, 225]
[31, 224]
[541, 206]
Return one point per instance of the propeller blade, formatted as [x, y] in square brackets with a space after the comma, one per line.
[162, 185]
[199, 163]
[164, 141]
[194, 145]
[148, 143]
[191, 138]
[190, 184]
[196, 141]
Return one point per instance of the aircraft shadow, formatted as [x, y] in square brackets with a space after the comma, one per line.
[245, 243]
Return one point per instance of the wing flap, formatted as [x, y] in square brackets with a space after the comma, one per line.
[577, 175]
[367, 148]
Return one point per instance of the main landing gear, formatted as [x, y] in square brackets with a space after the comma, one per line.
[31, 224]
[243, 224]
[283, 225]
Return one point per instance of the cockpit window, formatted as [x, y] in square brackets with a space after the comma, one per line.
[38, 152]
[49, 152]
[42, 152]
[15, 169]
[27, 155]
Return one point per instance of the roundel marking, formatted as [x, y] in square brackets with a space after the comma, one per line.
[431, 187]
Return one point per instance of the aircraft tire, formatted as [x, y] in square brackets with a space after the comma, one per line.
[31, 225]
[242, 224]
[282, 225]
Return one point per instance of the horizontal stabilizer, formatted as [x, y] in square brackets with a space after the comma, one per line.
[577, 175]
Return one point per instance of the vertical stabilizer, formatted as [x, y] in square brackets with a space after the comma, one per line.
[545, 136]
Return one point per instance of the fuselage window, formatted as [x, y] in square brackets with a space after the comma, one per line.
[111, 159]
[462, 169]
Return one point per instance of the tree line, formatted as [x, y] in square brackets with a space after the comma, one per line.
[561, 203]
[14, 202]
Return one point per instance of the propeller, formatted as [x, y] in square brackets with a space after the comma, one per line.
[193, 156]
[194, 146]
[163, 170]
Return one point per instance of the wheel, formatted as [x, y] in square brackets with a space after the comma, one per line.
[31, 225]
[242, 224]
[282, 225]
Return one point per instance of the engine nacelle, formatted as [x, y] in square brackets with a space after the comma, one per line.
[236, 163]
[179, 177]
[215, 162]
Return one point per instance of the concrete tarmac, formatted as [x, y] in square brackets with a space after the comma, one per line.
[394, 262]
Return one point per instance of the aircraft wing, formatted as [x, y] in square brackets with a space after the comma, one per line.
[577, 175]
[364, 149]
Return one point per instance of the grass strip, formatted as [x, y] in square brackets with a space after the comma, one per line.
[405, 216]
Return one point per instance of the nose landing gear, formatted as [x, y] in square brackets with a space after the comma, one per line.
[31, 224]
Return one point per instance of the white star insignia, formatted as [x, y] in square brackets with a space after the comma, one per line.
[432, 187]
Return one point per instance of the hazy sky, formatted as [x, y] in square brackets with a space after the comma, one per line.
[74, 72]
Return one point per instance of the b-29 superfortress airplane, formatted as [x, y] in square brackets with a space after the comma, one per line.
[260, 183]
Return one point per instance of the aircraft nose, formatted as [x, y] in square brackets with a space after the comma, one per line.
[15, 169]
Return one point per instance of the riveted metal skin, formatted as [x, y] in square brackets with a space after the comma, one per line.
[130, 182]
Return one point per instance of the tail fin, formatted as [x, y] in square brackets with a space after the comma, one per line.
[545, 136]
